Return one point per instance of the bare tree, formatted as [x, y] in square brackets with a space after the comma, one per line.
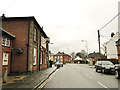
[73, 54]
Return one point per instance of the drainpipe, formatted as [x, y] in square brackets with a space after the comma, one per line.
[39, 50]
[11, 58]
[28, 44]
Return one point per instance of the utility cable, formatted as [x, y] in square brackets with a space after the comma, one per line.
[110, 21]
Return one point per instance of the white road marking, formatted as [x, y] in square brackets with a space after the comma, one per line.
[88, 76]
[103, 85]
[97, 81]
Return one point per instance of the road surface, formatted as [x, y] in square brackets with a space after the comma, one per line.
[81, 76]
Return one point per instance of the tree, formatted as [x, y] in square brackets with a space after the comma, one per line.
[73, 54]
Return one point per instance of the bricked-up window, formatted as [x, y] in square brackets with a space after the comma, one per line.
[5, 58]
[5, 41]
[35, 34]
[35, 56]
[41, 60]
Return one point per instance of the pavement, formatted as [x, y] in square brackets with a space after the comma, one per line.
[28, 81]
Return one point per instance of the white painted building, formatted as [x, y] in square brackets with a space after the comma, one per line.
[111, 49]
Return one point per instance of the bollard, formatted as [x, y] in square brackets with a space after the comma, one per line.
[5, 75]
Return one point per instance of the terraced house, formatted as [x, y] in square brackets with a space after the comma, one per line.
[7, 45]
[30, 50]
[62, 57]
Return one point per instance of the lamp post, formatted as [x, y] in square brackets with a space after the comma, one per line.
[86, 46]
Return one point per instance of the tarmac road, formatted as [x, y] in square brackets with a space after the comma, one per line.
[81, 76]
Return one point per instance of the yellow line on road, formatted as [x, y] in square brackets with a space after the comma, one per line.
[44, 83]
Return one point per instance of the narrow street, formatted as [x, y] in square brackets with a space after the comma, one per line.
[81, 76]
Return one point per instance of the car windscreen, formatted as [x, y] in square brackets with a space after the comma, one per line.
[107, 63]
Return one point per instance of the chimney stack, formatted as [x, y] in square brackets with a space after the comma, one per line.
[3, 15]
[112, 34]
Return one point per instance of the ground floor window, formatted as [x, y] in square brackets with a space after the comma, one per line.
[5, 58]
[35, 56]
[41, 59]
[45, 57]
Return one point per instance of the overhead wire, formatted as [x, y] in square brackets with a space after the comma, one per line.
[110, 21]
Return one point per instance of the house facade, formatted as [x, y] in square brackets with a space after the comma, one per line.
[61, 56]
[29, 54]
[7, 45]
[111, 49]
[118, 49]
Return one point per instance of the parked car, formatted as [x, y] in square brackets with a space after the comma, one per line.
[58, 64]
[117, 71]
[105, 66]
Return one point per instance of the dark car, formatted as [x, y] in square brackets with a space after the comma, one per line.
[117, 71]
[105, 66]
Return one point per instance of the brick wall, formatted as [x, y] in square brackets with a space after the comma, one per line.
[19, 28]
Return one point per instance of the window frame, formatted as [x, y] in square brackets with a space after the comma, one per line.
[6, 41]
[35, 56]
[5, 63]
[41, 58]
[35, 35]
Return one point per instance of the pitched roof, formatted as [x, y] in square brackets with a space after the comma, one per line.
[61, 54]
[91, 55]
[78, 58]
[27, 18]
[4, 31]
[118, 42]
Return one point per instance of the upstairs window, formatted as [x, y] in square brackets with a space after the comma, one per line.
[35, 34]
[5, 41]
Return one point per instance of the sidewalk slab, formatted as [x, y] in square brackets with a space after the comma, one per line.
[30, 81]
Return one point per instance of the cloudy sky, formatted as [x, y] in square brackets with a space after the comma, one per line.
[68, 22]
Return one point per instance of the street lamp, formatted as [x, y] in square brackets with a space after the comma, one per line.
[86, 46]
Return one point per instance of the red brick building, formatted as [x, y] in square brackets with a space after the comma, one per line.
[7, 46]
[61, 56]
[28, 51]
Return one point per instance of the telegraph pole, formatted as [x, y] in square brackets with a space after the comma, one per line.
[99, 41]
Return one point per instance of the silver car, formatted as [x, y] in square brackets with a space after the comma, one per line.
[58, 64]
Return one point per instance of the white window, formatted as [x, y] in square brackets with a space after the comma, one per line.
[5, 41]
[55, 58]
[5, 58]
[41, 60]
[35, 54]
[35, 34]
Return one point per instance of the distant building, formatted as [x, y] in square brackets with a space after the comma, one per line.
[30, 50]
[111, 49]
[7, 52]
[94, 57]
[118, 49]
[61, 56]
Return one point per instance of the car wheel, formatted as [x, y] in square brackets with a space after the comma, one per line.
[117, 76]
[96, 70]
